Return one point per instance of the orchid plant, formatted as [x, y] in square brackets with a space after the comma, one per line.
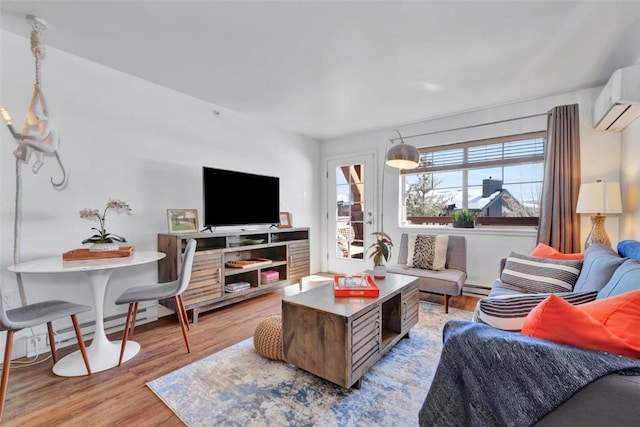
[381, 249]
[94, 215]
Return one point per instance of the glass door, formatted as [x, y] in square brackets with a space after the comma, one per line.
[351, 213]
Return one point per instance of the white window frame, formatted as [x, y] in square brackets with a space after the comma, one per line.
[450, 160]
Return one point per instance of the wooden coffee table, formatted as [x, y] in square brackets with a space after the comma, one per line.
[338, 339]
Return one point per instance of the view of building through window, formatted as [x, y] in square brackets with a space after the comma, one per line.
[498, 179]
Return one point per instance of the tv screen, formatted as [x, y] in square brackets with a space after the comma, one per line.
[239, 198]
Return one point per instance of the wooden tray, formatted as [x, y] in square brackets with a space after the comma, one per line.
[85, 253]
[370, 291]
[248, 263]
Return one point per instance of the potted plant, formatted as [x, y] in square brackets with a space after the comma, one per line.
[463, 219]
[103, 241]
[380, 253]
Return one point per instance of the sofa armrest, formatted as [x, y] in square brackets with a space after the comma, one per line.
[611, 400]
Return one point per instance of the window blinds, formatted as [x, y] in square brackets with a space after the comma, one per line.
[503, 151]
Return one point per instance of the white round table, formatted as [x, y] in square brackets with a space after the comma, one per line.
[103, 354]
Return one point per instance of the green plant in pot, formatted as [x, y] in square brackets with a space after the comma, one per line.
[463, 219]
[380, 253]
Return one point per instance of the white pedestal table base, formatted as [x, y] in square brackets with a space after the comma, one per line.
[105, 358]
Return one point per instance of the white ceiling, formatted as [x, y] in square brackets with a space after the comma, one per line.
[331, 68]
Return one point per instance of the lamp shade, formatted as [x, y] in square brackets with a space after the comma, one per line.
[599, 198]
[403, 156]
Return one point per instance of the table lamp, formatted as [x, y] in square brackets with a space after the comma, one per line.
[599, 198]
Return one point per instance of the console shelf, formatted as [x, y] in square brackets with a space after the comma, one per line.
[287, 249]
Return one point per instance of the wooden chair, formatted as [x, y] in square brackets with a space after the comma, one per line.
[173, 289]
[32, 315]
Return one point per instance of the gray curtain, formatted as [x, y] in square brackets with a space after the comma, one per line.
[559, 224]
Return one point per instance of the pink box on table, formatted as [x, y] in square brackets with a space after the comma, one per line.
[269, 276]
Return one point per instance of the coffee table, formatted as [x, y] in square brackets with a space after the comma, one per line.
[339, 338]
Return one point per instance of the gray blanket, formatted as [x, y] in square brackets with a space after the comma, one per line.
[489, 377]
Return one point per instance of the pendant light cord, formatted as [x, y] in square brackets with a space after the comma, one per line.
[37, 48]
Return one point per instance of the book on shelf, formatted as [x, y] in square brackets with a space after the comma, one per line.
[236, 287]
[235, 290]
[270, 275]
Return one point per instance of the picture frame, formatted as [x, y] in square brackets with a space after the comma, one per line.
[285, 220]
[182, 220]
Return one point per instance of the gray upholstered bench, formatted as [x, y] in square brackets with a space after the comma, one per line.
[447, 282]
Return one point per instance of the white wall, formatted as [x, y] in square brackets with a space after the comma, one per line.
[123, 137]
[630, 182]
[600, 159]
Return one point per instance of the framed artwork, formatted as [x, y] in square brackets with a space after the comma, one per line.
[182, 220]
[285, 220]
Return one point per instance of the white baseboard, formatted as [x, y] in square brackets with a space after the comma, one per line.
[24, 346]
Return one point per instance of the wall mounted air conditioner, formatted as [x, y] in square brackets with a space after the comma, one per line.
[619, 102]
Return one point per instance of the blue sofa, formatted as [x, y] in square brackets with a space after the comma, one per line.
[612, 399]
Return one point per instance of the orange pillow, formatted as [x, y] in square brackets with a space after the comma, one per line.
[614, 326]
[546, 251]
[620, 314]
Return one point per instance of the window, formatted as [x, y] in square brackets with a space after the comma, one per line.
[500, 179]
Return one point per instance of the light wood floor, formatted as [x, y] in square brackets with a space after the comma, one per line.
[119, 396]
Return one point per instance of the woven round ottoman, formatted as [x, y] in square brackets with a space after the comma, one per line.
[267, 339]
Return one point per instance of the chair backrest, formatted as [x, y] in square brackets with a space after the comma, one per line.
[346, 233]
[456, 252]
[187, 265]
[5, 323]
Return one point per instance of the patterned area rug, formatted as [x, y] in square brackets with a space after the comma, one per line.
[237, 387]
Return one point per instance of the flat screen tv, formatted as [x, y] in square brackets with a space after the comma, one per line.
[239, 198]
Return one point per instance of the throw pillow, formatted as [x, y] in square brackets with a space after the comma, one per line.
[600, 262]
[579, 328]
[430, 252]
[546, 251]
[540, 275]
[508, 312]
[626, 278]
[411, 247]
[619, 314]
[629, 248]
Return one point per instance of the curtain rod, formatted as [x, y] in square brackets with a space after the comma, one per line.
[471, 126]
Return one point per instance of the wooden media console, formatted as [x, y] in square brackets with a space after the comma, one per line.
[223, 259]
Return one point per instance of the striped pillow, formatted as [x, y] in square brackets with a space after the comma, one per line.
[540, 275]
[508, 312]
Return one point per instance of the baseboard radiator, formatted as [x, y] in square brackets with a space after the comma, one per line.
[478, 291]
[67, 336]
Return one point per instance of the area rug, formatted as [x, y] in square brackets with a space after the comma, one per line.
[238, 387]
